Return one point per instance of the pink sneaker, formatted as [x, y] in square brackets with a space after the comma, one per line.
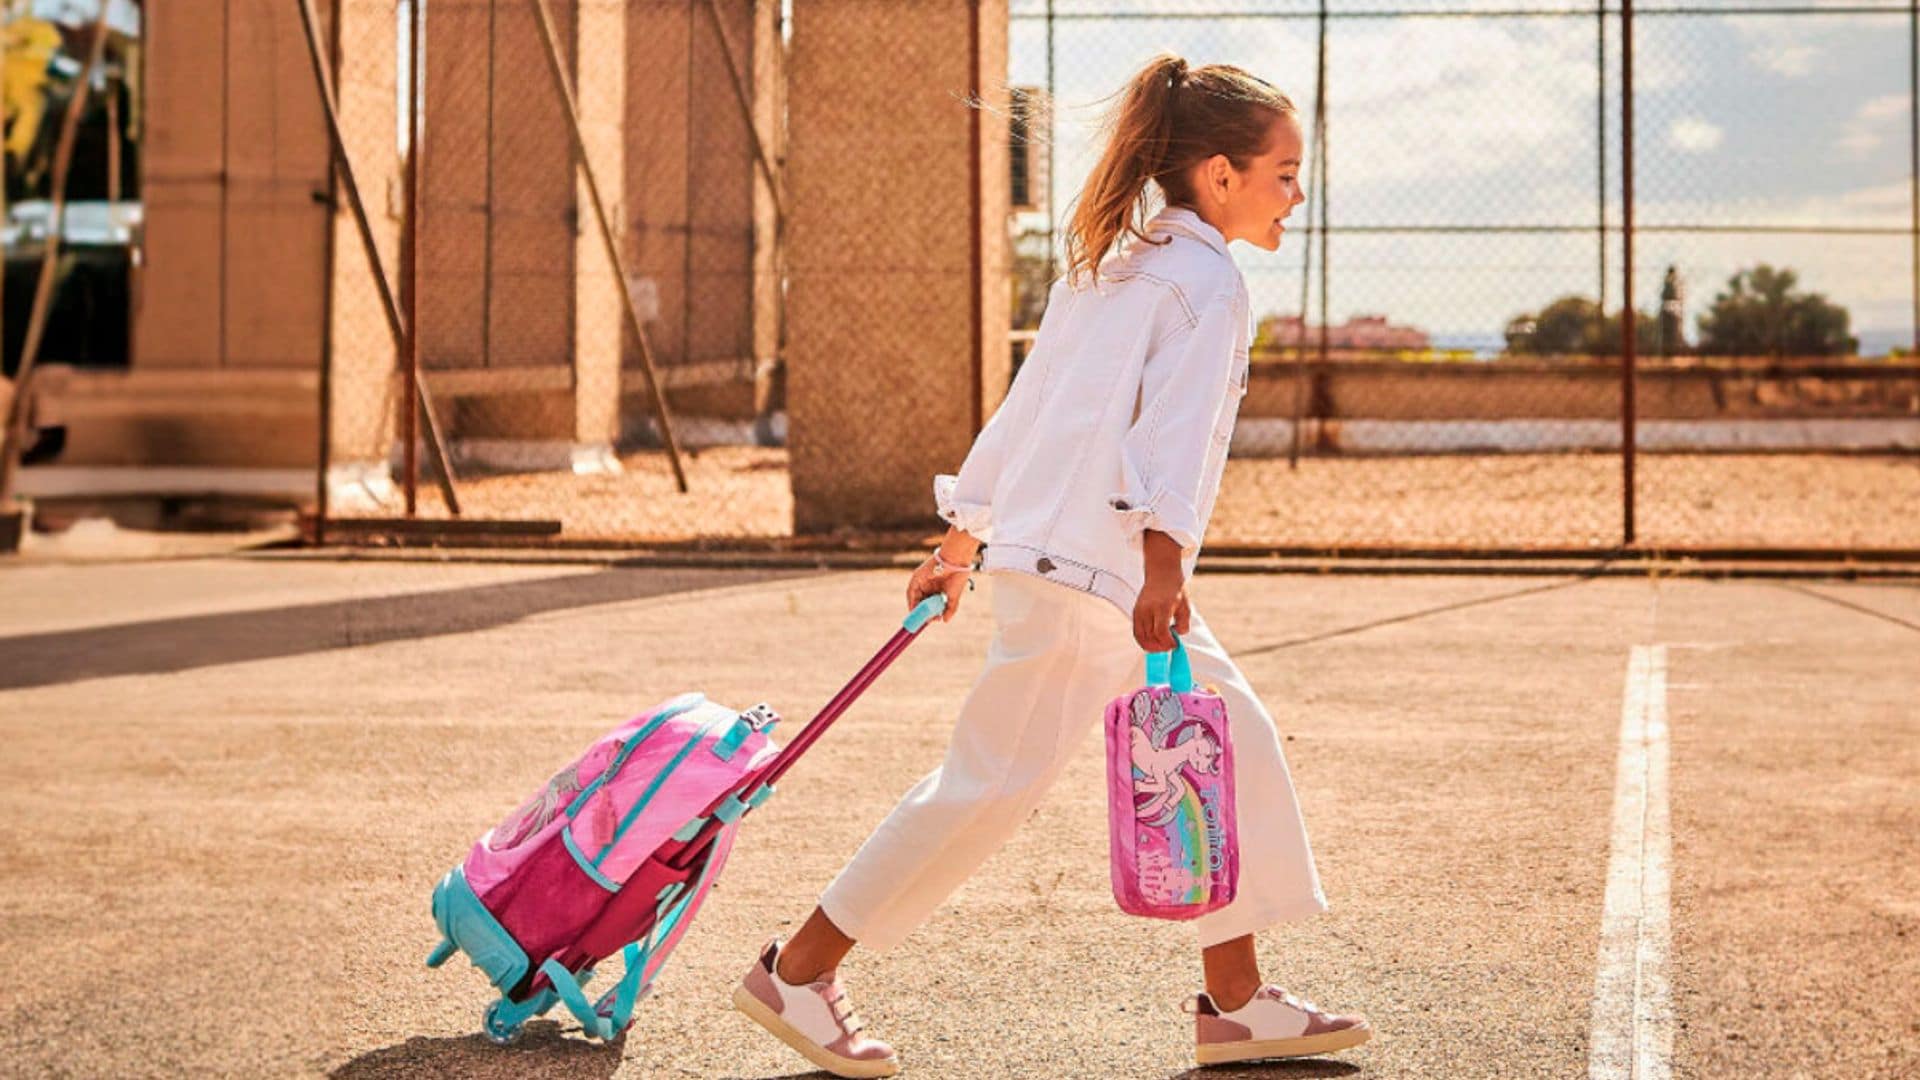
[815, 1019]
[1275, 1024]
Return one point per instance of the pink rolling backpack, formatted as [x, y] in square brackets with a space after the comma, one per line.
[613, 856]
[1174, 838]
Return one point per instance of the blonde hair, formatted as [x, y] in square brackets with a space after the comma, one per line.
[1168, 120]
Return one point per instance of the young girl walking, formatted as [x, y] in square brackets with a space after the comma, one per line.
[1090, 491]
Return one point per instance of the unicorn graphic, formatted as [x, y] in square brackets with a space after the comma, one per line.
[540, 810]
[1163, 741]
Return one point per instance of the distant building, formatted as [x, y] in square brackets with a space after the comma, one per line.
[1029, 129]
[1370, 333]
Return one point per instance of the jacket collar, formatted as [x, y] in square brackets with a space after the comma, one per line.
[1180, 221]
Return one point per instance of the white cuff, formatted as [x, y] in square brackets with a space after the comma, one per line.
[974, 519]
[1163, 512]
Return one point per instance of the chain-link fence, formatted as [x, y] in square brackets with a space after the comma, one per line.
[1439, 361]
[591, 215]
[1439, 358]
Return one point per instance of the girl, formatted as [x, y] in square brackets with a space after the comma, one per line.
[1091, 488]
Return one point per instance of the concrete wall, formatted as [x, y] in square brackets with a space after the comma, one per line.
[699, 221]
[882, 331]
[363, 390]
[1578, 389]
[235, 162]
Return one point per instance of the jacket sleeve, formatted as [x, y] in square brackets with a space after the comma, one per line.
[1164, 455]
[965, 500]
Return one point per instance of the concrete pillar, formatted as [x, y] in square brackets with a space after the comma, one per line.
[599, 323]
[363, 394]
[889, 311]
[769, 121]
[455, 187]
[693, 232]
[182, 156]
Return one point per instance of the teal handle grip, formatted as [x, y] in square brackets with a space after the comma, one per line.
[925, 612]
[1171, 668]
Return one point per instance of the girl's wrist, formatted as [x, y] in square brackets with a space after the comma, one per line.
[958, 548]
[944, 566]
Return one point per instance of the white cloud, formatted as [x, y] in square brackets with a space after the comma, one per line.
[1692, 135]
[1869, 128]
[1780, 46]
[1785, 59]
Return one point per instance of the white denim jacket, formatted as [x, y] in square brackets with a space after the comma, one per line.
[1119, 419]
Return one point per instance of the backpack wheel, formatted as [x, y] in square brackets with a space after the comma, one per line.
[497, 1029]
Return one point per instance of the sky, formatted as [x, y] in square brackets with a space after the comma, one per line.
[1741, 120]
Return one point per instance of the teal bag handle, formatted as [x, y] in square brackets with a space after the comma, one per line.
[1171, 668]
[925, 612]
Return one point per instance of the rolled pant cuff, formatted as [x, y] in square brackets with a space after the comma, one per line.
[1234, 923]
[869, 937]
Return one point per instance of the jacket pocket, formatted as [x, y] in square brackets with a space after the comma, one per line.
[1234, 392]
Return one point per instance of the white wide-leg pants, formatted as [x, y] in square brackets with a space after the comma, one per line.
[1058, 657]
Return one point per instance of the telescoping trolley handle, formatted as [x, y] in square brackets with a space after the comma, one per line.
[681, 853]
[923, 613]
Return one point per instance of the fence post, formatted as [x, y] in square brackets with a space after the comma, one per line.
[1627, 321]
[12, 439]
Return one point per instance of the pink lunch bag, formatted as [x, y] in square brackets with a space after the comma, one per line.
[1174, 839]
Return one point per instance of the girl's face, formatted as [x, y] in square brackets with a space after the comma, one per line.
[1251, 204]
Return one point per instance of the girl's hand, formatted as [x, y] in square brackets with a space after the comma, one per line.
[1163, 599]
[928, 579]
[1162, 603]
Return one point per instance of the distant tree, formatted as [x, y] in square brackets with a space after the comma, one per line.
[1575, 326]
[1761, 314]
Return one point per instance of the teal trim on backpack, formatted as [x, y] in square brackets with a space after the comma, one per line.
[466, 923]
[928, 610]
[729, 744]
[760, 794]
[580, 860]
[653, 789]
[681, 704]
[576, 1000]
[691, 829]
[1171, 668]
[730, 809]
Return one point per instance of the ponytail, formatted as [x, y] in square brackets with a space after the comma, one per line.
[1168, 119]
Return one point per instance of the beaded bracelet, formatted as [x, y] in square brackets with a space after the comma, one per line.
[942, 566]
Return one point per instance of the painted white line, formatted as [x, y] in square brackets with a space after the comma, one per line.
[1632, 1030]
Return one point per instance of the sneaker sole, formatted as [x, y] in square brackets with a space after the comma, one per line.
[756, 1010]
[1302, 1046]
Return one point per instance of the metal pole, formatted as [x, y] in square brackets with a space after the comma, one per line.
[1314, 194]
[113, 142]
[322, 505]
[976, 389]
[410, 258]
[330, 106]
[688, 192]
[557, 68]
[1600, 139]
[1627, 381]
[740, 94]
[1326, 188]
[486, 251]
[1053, 267]
[12, 441]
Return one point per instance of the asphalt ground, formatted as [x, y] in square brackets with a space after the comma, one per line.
[229, 785]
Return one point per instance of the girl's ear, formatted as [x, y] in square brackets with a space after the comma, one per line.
[1219, 176]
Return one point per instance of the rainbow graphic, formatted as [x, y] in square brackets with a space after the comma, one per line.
[1186, 840]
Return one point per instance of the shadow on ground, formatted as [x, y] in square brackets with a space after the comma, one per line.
[544, 1051]
[164, 646]
[1270, 1070]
